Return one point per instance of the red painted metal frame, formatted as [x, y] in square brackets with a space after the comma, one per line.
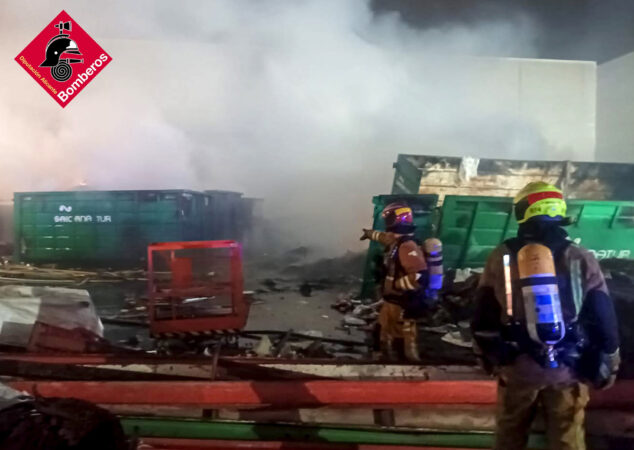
[297, 394]
[282, 394]
[145, 358]
[240, 308]
[199, 444]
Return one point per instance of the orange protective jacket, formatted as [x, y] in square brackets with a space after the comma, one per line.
[404, 263]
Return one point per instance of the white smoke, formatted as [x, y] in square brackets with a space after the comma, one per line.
[305, 103]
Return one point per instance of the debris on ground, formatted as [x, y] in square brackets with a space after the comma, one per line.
[295, 345]
[28, 274]
[369, 313]
[305, 289]
[460, 335]
[455, 338]
[48, 318]
[354, 321]
[345, 303]
[134, 309]
[330, 272]
[316, 349]
[447, 322]
[264, 347]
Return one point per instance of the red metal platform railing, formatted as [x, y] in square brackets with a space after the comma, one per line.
[195, 288]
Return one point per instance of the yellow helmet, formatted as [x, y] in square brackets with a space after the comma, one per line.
[539, 199]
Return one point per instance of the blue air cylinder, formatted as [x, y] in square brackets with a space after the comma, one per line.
[540, 292]
[432, 248]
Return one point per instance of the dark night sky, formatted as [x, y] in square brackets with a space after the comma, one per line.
[597, 30]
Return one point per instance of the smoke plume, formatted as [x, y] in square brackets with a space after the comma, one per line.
[305, 103]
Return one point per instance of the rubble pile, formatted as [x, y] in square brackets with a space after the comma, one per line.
[444, 332]
[357, 313]
[456, 304]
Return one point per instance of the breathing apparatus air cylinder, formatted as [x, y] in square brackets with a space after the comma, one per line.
[540, 292]
[432, 248]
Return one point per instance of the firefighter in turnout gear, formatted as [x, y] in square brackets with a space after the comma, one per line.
[412, 277]
[544, 325]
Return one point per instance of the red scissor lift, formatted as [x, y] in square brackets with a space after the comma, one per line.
[195, 290]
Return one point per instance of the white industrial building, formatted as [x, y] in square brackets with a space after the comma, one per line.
[615, 110]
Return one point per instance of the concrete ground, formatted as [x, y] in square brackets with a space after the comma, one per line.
[281, 308]
[290, 310]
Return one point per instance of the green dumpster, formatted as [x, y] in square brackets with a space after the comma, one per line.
[604, 227]
[104, 228]
[470, 227]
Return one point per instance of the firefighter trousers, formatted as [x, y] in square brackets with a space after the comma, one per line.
[394, 326]
[563, 409]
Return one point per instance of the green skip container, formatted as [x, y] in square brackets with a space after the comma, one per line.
[104, 228]
[470, 227]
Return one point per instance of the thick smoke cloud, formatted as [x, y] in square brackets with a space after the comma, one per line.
[305, 103]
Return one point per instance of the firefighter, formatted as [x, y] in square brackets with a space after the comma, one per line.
[544, 325]
[411, 278]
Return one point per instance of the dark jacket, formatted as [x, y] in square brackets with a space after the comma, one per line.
[586, 302]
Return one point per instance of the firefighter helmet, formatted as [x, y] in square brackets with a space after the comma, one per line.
[396, 214]
[56, 47]
[541, 200]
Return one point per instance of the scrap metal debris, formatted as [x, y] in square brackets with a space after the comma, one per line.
[442, 329]
[345, 303]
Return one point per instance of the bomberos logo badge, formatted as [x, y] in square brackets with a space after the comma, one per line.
[63, 59]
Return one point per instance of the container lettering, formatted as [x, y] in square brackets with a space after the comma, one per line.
[82, 219]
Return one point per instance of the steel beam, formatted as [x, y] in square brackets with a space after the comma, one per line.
[279, 394]
[296, 394]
